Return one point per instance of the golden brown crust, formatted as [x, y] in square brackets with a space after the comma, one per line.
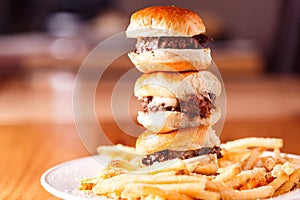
[167, 20]
[183, 139]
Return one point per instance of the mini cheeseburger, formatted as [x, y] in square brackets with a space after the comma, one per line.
[198, 147]
[178, 101]
[172, 101]
[168, 39]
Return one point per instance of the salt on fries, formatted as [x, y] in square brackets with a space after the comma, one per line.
[243, 173]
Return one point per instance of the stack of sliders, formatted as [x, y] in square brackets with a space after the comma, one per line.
[177, 93]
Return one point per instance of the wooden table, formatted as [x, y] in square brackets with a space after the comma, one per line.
[29, 147]
[28, 150]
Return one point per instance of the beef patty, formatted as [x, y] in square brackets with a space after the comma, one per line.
[149, 43]
[191, 105]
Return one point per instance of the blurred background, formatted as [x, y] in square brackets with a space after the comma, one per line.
[43, 43]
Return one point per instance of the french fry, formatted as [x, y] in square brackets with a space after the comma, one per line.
[255, 193]
[225, 163]
[115, 195]
[185, 188]
[88, 183]
[268, 143]
[229, 172]
[109, 172]
[234, 155]
[152, 197]
[114, 184]
[244, 176]
[281, 178]
[277, 170]
[289, 168]
[189, 189]
[118, 183]
[122, 164]
[276, 154]
[294, 160]
[252, 159]
[288, 185]
[206, 195]
[136, 190]
[208, 169]
[268, 162]
[164, 179]
[242, 173]
[216, 186]
[254, 182]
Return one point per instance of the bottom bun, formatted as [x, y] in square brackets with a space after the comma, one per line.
[180, 140]
[171, 60]
[166, 121]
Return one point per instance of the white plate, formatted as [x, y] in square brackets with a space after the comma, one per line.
[63, 180]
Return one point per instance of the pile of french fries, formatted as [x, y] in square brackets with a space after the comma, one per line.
[251, 168]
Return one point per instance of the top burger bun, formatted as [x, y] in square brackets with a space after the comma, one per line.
[164, 21]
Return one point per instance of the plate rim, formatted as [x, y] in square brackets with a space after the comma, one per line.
[54, 191]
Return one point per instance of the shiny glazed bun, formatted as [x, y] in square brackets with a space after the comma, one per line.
[164, 21]
[180, 140]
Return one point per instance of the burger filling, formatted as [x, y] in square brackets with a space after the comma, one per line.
[192, 105]
[164, 155]
[149, 43]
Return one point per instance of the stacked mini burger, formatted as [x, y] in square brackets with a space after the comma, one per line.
[177, 94]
